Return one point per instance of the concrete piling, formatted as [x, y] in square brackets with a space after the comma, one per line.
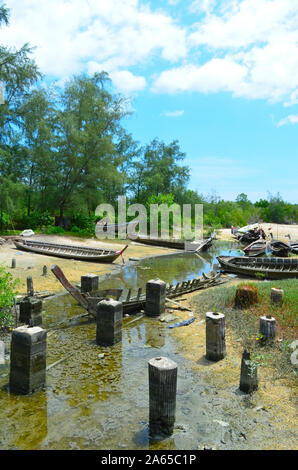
[30, 288]
[277, 295]
[30, 311]
[44, 271]
[27, 360]
[162, 396]
[89, 283]
[268, 327]
[13, 263]
[215, 336]
[248, 374]
[109, 316]
[155, 298]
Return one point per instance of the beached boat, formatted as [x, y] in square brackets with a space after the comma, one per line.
[270, 268]
[279, 248]
[134, 303]
[293, 244]
[82, 253]
[256, 248]
[195, 246]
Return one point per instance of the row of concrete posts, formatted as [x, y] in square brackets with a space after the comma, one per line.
[28, 351]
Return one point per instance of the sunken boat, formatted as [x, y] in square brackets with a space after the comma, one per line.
[81, 253]
[270, 268]
[195, 246]
[134, 303]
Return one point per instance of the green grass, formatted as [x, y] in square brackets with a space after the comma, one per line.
[245, 323]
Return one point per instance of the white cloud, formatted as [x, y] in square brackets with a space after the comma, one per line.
[216, 75]
[252, 51]
[177, 113]
[126, 82]
[114, 33]
[291, 119]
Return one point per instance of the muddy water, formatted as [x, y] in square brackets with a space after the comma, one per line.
[97, 398]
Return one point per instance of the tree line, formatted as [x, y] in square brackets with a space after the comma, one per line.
[64, 150]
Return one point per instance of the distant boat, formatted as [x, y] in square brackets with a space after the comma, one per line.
[271, 268]
[82, 253]
[195, 246]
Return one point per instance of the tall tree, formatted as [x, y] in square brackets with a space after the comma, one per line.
[89, 140]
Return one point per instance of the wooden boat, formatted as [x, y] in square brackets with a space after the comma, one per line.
[279, 248]
[81, 253]
[256, 248]
[197, 245]
[271, 268]
[293, 244]
[137, 302]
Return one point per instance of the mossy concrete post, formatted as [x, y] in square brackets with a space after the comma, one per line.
[268, 328]
[89, 283]
[27, 360]
[30, 288]
[109, 315]
[162, 396]
[248, 374]
[155, 298]
[277, 295]
[13, 263]
[44, 271]
[30, 311]
[215, 336]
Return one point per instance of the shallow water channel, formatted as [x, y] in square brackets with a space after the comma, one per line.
[97, 398]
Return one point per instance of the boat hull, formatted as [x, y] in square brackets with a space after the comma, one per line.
[68, 251]
[270, 268]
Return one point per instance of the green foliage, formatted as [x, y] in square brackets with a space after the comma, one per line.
[7, 293]
[54, 231]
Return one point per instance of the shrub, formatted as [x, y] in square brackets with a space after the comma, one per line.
[7, 293]
[54, 230]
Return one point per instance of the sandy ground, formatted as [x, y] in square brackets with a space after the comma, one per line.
[279, 232]
[31, 264]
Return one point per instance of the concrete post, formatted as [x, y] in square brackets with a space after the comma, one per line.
[44, 271]
[215, 336]
[277, 295]
[155, 298]
[30, 311]
[30, 289]
[27, 360]
[13, 263]
[268, 327]
[89, 283]
[109, 316]
[248, 375]
[162, 396]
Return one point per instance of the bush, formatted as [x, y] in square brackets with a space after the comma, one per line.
[54, 230]
[7, 293]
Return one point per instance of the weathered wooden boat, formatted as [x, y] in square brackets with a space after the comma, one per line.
[279, 248]
[256, 248]
[293, 244]
[81, 253]
[134, 303]
[195, 246]
[271, 268]
[102, 225]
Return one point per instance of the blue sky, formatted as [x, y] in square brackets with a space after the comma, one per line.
[219, 76]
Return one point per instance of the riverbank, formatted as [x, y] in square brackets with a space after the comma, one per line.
[31, 264]
[265, 420]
